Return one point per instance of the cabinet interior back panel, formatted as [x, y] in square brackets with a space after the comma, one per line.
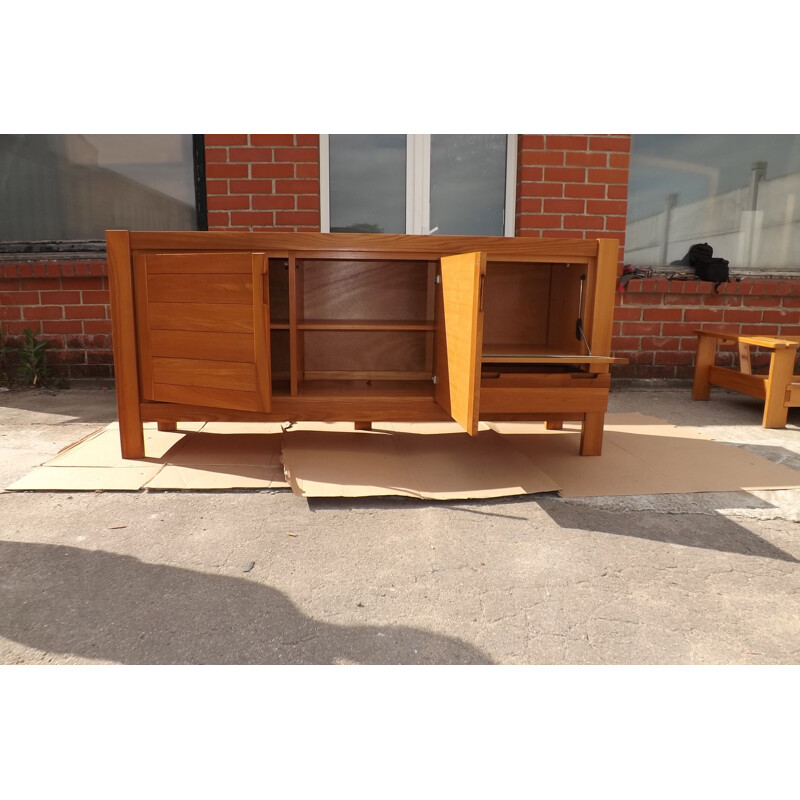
[566, 305]
[387, 290]
[373, 351]
[516, 303]
[278, 290]
[279, 350]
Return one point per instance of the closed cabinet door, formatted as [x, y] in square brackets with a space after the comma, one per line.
[203, 329]
[459, 337]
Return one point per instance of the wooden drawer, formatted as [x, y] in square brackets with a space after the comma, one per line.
[567, 393]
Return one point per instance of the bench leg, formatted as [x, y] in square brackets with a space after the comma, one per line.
[361, 425]
[781, 368]
[704, 360]
[554, 425]
[168, 426]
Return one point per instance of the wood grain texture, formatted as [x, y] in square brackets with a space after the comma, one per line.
[600, 288]
[205, 396]
[278, 287]
[293, 409]
[516, 303]
[211, 374]
[569, 300]
[371, 351]
[752, 385]
[261, 346]
[223, 318]
[359, 317]
[363, 244]
[461, 336]
[506, 400]
[501, 353]
[779, 377]
[364, 325]
[569, 380]
[592, 433]
[296, 356]
[372, 290]
[705, 352]
[211, 346]
[142, 308]
[198, 263]
[200, 288]
[123, 337]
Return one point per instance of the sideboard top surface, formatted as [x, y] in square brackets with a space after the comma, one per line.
[343, 243]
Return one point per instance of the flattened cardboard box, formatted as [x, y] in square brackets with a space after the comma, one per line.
[199, 456]
[641, 455]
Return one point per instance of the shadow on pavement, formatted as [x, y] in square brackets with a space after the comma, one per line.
[110, 607]
[707, 531]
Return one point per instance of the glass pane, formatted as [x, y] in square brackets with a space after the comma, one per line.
[738, 192]
[468, 184]
[76, 186]
[368, 183]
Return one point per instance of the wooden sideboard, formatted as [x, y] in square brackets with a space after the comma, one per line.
[275, 326]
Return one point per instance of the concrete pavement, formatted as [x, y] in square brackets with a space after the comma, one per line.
[271, 578]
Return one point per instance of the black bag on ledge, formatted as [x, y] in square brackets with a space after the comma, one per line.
[706, 267]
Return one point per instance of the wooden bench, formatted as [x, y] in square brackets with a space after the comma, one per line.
[779, 389]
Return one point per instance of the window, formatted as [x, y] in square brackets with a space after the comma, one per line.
[459, 184]
[76, 186]
[739, 193]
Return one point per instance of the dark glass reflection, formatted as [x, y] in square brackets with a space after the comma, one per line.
[76, 186]
[738, 192]
[367, 183]
[468, 183]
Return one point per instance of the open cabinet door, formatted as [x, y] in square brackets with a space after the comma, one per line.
[203, 329]
[459, 336]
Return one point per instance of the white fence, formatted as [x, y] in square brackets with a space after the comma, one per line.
[757, 226]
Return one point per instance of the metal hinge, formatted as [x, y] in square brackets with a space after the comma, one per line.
[433, 379]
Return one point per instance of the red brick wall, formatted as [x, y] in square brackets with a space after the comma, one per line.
[65, 302]
[655, 320]
[263, 181]
[568, 186]
[572, 186]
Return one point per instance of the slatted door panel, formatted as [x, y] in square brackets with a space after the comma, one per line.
[203, 328]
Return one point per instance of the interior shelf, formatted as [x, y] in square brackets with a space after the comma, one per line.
[364, 325]
[364, 388]
[536, 354]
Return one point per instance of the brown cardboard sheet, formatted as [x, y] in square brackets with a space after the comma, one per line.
[440, 466]
[645, 455]
[641, 455]
[197, 456]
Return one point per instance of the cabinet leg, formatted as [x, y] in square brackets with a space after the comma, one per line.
[554, 425]
[704, 360]
[362, 426]
[592, 433]
[781, 367]
[168, 426]
[131, 440]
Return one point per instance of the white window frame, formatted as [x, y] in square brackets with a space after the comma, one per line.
[418, 183]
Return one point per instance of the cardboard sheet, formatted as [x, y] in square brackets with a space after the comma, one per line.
[645, 455]
[641, 455]
[199, 456]
[438, 466]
